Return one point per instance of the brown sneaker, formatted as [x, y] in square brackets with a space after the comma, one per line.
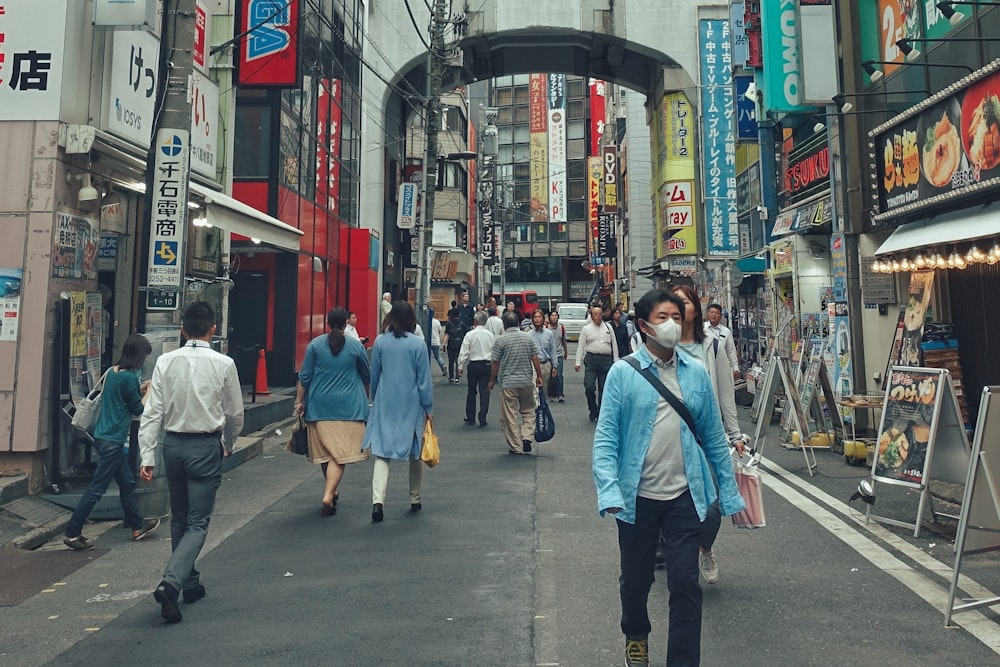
[636, 652]
[148, 526]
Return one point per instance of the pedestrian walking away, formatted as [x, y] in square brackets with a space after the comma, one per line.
[549, 349]
[515, 361]
[494, 323]
[596, 350]
[557, 382]
[704, 348]
[654, 477]
[437, 331]
[477, 348]
[332, 396]
[401, 404]
[121, 398]
[454, 332]
[195, 397]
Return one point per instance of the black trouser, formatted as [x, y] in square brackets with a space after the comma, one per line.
[478, 375]
[596, 372]
[677, 521]
[453, 351]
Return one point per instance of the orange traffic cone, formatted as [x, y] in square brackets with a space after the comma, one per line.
[260, 386]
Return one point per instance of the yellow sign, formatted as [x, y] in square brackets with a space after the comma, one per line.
[77, 324]
[675, 181]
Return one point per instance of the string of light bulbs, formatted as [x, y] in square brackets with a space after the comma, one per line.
[937, 259]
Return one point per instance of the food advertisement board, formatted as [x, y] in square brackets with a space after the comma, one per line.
[950, 147]
[914, 316]
[909, 421]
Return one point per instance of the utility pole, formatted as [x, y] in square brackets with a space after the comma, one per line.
[435, 74]
[168, 163]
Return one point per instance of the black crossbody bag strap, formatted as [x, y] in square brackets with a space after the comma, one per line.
[667, 395]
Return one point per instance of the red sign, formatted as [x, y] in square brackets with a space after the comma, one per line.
[328, 116]
[597, 115]
[269, 51]
[804, 173]
[199, 51]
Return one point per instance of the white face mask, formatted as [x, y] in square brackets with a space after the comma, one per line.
[667, 333]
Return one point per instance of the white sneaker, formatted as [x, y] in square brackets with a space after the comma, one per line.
[709, 567]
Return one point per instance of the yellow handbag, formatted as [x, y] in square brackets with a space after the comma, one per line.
[429, 452]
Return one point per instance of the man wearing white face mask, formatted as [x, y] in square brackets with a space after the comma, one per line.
[658, 433]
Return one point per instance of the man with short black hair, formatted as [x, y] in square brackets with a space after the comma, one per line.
[653, 465]
[195, 396]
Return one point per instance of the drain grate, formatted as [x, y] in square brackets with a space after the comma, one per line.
[25, 573]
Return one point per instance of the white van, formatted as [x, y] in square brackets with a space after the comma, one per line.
[573, 316]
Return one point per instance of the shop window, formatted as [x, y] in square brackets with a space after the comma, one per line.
[557, 231]
[252, 142]
[575, 109]
[505, 135]
[540, 231]
[522, 191]
[506, 154]
[520, 233]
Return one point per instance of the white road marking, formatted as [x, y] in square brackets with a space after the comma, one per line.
[973, 621]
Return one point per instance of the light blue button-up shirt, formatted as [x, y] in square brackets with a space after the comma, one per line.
[625, 428]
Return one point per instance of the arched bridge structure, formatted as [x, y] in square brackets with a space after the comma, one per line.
[648, 46]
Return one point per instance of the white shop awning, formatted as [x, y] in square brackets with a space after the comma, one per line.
[224, 212]
[967, 224]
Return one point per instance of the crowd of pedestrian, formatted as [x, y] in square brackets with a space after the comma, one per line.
[659, 383]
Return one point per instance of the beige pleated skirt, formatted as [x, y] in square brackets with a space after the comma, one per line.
[337, 441]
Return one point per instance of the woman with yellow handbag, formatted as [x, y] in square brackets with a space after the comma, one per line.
[402, 404]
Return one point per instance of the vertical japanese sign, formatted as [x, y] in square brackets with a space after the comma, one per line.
[738, 39]
[10, 302]
[328, 117]
[610, 163]
[722, 233]
[269, 54]
[746, 111]
[32, 36]
[598, 114]
[595, 172]
[676, 215]
[204, 124]
[168, 202]
[487, 183]
[199, 54]
[557, 147]
[539, 146]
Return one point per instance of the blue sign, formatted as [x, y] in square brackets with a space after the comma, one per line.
[718, 147]
[746, 110]
[165, 253]
[109, 247]
[173, 146]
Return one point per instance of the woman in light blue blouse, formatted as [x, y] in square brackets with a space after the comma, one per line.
[332, 394]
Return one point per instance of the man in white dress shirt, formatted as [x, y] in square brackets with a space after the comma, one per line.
[724, 336]
[596, 349]
[477, 348]
[352, 328]
[195, 396]
[494, 323]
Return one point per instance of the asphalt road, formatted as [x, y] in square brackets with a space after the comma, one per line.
[508, 564]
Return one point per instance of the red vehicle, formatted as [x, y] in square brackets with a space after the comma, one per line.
[524, 302]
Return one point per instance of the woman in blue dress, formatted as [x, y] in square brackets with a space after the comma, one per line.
[402, 402]
[332, 394]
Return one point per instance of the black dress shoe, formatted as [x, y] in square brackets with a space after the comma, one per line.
[377, 515]
[192, 595]
[470, 422]
[416, 507]
[526, 446]
[166, 595]
[482, 423]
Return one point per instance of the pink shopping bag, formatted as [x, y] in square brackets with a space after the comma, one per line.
[748, 482]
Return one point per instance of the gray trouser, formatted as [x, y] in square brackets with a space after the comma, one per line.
[193, 464]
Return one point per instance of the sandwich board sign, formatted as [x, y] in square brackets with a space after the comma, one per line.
[921, 436]
[777, 371]
[979, 523]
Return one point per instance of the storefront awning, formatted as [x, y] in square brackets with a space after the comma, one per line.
[233, 215]
[952, 227]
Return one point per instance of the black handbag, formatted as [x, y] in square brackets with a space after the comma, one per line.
[298, 442]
